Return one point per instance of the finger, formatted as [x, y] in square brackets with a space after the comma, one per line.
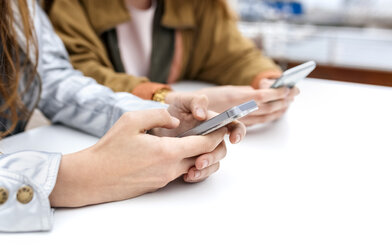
[295, 91]
[199, 107]
[195, 176]
[148, 119]
[266, 83]
[186, 164]
[213, 157]
[252, 120]
[269, 95]
[237, 131]
[196, 145]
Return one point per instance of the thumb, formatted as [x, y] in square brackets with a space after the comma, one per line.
[198, 104]
[149, 119]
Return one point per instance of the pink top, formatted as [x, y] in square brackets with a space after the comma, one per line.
[135, 40]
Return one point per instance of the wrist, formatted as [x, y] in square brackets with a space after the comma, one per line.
[66, 183]
[73, 186]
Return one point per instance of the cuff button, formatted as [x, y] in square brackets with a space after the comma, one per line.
[25, 194]
[3, 195]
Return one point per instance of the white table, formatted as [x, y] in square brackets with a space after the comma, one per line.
[319, 177]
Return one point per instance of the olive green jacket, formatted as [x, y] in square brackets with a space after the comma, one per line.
[213, 49]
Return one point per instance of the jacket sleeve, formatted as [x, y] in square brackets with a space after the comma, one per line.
[26, 180]
[87, 52]
[70, 98]
[230, 58]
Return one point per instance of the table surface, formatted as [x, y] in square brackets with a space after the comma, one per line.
[319, 177]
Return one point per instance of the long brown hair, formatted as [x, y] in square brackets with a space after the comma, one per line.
[10, 63]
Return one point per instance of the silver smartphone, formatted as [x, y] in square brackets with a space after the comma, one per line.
[222, 119]
[294, 75]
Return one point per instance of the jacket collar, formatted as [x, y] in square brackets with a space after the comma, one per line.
[105, 15]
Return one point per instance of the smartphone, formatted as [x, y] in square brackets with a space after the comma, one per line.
[222, 119]
[294, 75]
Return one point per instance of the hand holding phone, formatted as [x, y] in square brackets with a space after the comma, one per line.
[294, 75]
[222, 119]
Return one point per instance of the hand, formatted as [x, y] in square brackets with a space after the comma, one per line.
[191, 109]
[272, 103]
[126, 162]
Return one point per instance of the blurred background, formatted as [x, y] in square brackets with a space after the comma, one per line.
[351, 40]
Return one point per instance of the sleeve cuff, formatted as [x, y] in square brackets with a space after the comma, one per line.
[146, 90]
[37, 171]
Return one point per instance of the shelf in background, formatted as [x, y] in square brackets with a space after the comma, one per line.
[346, 74]
[348, 54]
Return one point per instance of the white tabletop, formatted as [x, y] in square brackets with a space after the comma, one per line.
[319, 177]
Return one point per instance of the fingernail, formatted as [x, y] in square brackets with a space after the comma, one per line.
[197, 174]
[204, 164]
[200, 113]
[237, 138]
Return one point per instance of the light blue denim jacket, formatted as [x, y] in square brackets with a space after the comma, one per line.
[65, 96]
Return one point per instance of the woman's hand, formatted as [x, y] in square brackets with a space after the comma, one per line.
[272, 103]
[191, 109]
[127, 162]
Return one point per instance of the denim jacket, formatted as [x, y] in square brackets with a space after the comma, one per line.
[65, 96]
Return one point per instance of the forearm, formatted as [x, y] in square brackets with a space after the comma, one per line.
[82, 181]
